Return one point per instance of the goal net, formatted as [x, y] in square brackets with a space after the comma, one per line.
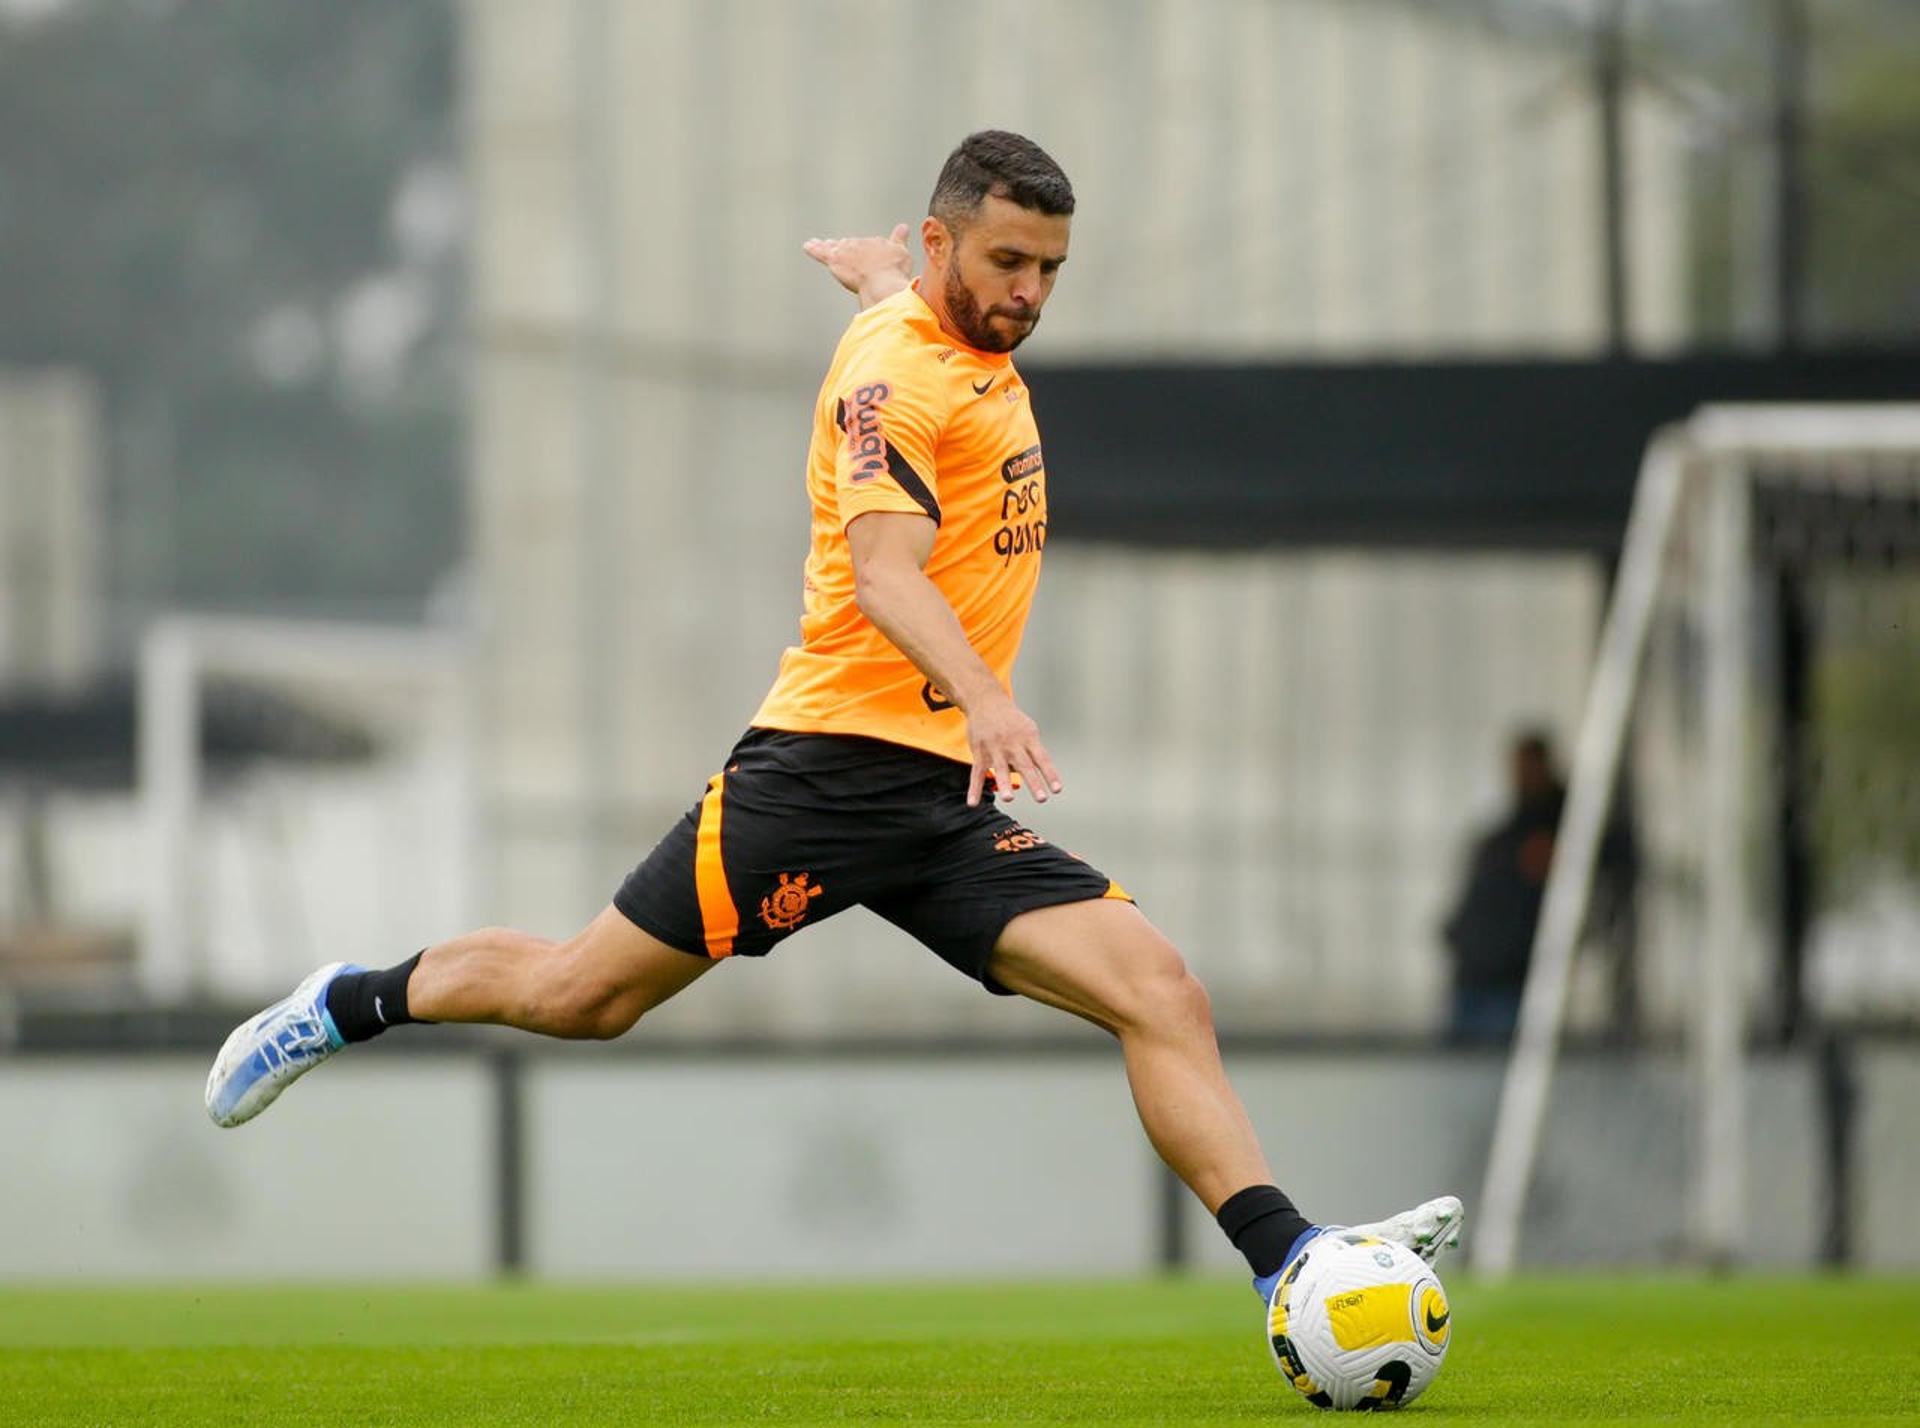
[1753, 721]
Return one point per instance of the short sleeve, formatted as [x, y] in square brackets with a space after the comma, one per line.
[888, 433]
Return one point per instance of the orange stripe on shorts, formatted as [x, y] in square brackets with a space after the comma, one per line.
[719, 919]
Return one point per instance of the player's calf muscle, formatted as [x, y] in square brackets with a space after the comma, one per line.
[495, 974]
[558, 991]
[572, 1001]
[594, 986]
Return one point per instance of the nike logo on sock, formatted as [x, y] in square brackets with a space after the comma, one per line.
[377, 1011]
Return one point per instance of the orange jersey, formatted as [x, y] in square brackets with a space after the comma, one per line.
[910, 420]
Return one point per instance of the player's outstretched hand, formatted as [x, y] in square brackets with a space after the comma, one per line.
[872, 269]
[1007, 743]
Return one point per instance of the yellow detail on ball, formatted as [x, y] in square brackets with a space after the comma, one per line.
[1371, 1317]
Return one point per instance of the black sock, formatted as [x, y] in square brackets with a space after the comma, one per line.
[1263, 1225]
[364, 1004]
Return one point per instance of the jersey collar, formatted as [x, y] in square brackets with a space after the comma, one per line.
[923, 311]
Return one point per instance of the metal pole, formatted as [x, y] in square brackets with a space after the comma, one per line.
[1789, 187]
[1792, 825]
[1172, 1209]
[598, 488]
[1839, 1103]
[510, 1163]
[167, 741]
[1610, 82]
[1720, 993]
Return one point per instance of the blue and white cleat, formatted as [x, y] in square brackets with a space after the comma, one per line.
[1426, 1229]
[267, 1053]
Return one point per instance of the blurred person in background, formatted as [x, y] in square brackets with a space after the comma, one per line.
[872, 772]
[1490, 932]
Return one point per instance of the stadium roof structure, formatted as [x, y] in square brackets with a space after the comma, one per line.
[1509, 454]
[87, 739]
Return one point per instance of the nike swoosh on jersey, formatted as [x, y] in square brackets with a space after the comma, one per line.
[980, 389]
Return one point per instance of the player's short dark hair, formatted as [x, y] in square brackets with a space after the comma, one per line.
[1009, 166]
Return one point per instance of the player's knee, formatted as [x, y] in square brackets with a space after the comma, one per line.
[1185, 1002]
[1162, 994]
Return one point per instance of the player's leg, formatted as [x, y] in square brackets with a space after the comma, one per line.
[632, 957]
[1102, 960]
[597, 984]
[1002, 904]
[723, 882]
[1105, 962]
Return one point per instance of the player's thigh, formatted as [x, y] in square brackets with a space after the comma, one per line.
[1100, 959]
[976, 874]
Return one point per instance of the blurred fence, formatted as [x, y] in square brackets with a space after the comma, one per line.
[947, 1160]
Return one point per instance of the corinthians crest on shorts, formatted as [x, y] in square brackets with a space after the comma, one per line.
[786, 906]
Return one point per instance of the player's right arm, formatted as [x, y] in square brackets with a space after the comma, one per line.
[890, 551]
[872, 269]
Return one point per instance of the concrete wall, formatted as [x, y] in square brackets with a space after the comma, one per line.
[384, 1165]
[112, 1170]
[835, 1170]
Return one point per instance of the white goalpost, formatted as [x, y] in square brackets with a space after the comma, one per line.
[1839, 488]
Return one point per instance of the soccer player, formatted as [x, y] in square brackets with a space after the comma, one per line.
[874, 770]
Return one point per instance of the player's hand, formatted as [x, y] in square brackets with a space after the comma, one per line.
[872, 269]
[1005, 743]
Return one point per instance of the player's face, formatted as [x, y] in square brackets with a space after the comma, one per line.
[996, 273]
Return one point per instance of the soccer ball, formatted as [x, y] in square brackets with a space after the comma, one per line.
[1359, 1322]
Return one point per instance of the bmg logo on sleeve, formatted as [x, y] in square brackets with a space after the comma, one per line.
[866, 445]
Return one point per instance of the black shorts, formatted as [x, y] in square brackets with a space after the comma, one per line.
[801, 826]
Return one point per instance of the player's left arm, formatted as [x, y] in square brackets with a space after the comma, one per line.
[890, 550]
[872, 269]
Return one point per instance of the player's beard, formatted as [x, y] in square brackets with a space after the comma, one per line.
[964, 312]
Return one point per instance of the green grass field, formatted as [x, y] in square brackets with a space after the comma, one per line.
[1175, 1352]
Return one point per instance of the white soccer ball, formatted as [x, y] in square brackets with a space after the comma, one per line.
[1359, 1322]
